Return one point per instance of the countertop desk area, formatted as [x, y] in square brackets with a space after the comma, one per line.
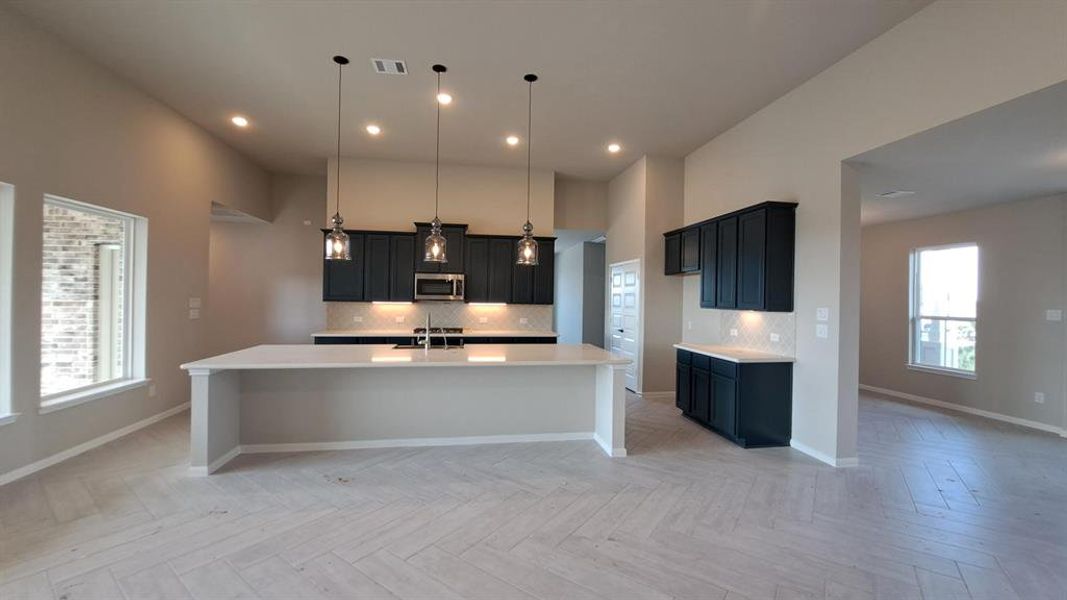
[287, 398]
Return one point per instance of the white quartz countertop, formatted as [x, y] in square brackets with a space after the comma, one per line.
[309, 356]
[734, 354]
[408, 333]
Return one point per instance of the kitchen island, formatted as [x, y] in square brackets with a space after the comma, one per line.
[287, 398]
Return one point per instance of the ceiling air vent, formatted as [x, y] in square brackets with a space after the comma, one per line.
[896, 194]
[389, 66]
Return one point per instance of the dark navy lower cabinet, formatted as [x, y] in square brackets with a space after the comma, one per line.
[435, 340]
[750, 404]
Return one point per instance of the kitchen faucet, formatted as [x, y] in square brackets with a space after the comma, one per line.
[426, 343]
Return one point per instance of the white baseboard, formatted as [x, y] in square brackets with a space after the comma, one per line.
[44, 463]
[612, 452]
[966, 409]
[217, 463]
[849, 461]
[658, 395]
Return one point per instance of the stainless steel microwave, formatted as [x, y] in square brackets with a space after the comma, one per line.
[438, 286]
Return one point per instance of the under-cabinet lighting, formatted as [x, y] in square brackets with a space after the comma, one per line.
[389, 359]
[493, 359]
[391, 302]
[488, 304]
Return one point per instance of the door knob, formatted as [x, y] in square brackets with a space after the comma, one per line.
[619, 330]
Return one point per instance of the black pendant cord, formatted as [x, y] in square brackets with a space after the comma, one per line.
[529, 140]
[341, 62]
[437, 161]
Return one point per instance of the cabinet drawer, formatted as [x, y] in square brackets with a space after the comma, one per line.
[724, 368]
[701, 361]
[685, 357]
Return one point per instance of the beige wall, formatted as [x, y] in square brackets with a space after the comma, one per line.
[392, 195]
[266, 278]
[950, 59]
[644, 201]
[581, 204]
[72, 128]
[1021, 275]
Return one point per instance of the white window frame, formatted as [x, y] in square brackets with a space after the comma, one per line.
[135, 254]
[914, 317]
[7, 249]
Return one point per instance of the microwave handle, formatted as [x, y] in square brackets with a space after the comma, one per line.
[458, 289]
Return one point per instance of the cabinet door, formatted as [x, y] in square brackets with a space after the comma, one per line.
[751, 260]
[544, 282]
[724, 404]
[682, 390]
[455, 246]
[709, 250]
[726, 264]
[402, 267]
[522, 279]
[672, 254]
[700, 394]
[376, 271]
[501, 259]
[477, 279]
[342, 280]
[691, 250]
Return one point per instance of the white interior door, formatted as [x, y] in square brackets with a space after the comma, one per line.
[625, 321]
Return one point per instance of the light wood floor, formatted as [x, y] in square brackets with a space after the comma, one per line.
[942, 506]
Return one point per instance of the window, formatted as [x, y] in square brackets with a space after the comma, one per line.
[92, 302]
[944, 309]
[7, 248]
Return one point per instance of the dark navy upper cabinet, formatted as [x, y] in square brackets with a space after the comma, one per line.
[477, 270]
[691, 250]
[342, 280]
[726, 264]
[681, 251]
[455, 246]
[544, 274]
[501, 262]
[376, 267]
[745, 258]
[402, 267]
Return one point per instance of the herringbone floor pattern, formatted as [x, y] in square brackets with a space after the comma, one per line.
[942, 506]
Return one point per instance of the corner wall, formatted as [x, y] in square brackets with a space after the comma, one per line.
[948, 60]
[74, 129]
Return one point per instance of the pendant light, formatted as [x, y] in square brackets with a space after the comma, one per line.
[436, 242]
[338, 246]
[527, 246]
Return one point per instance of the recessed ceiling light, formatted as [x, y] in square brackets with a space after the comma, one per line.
[373, 129]
[512, 140]
[614, 148]
[239, 121]
[444, 98]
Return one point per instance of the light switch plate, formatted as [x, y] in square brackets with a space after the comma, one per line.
[733, 333]
[1054, 315]
[194, 313]
[400, 319]
[822, 314]
[690, 325]
[357, 319]
[152, 391]
[822, 330]
[194, 302]
[1039, 397]
[775, 337]
[524, 321]
[483, 319]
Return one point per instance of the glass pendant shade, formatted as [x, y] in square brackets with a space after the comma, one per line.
[527, 247]
[338, 246]
[435, 244]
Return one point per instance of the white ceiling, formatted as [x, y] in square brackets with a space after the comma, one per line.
[1013, 151]
[658, 77]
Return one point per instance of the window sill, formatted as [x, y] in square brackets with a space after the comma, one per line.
[8, 419]
[949, 372]
[94, 393]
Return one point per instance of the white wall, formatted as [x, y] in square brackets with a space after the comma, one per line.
[74, 129]
[580, 286]
[950, 59]
[581, 204]
[266, 278]
[392, 195]
[1021, 275]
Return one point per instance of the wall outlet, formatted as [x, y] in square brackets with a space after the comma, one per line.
[524, 321]
[1053, 315]
[194, 313]
[152, 391]
[483, 319]
[690, 326]
[194, 302]
[733, 333]
[1039, 397]
[357, 319]
[822, 314]
[775, 337]
[400, 319]
[822, 330]
[307, 222]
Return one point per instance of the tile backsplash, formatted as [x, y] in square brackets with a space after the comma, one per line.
[344, 315]
[753, 329]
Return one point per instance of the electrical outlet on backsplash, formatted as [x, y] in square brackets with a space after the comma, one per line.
[365, 315]
[771, 332]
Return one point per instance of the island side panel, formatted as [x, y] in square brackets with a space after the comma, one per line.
[611, 409]
[339, 408]
[215, 419]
